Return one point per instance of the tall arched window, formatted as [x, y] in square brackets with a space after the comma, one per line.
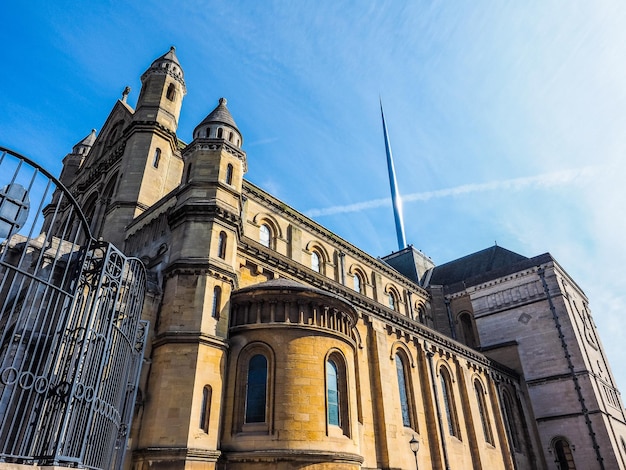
[393, 301]
[220, 133]
[467, 326]
[265, 235]
[563, 454]
[230, 136]
[509, 417]
[171, 92]
[217, 300]
[256, 390]
[157, 158]
[337, 393]
[205, 412]
[448, 403]
[403, 383]
[315, 262]
[483, 411]
[332, 389]
[229, 174]
[221, 245]
[357, 282]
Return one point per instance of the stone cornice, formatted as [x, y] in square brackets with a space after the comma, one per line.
[202, 211]
[189, 337]
[298, 455]
[217, 145]
[176, 453]
[201, 266]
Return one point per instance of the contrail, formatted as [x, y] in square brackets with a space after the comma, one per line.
[545, 180]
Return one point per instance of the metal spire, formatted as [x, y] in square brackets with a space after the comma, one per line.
[395, 196]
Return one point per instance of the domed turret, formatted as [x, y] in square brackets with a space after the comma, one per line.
[167, 64]
[162, 91]
[219, 124]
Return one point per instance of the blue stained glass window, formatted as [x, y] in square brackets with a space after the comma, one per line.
[333, 393]
[256, 393]
[404, 399]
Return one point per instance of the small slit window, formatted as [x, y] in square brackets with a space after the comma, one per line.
[205, 412]
[220, 133]
[157, 158]
[221, 245]
[217, 300]
[230, 136]
[229, 174]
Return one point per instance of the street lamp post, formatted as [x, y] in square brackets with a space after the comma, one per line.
[414, 444]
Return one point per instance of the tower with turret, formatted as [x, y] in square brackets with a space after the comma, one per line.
[151, 165]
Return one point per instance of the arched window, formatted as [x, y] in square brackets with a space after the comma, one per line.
[230, 136]
[467, 326]
[205, 412]
[403, 383]
[265, 235]
[393, 301]
[315, 262]
[221, 245]
[509, 417]
[332, 389]
[157, 158]
[229, 174]
[357, 282]
[448, 403]
[217, 300]
[563, 454]
[421, 316]
[171, 92]
[337, 393]
[256, 390]
[483, 411]
[220, 133]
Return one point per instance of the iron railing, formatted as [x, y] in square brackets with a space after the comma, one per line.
[71, 334]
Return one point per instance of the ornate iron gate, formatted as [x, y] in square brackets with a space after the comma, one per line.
[71, 337]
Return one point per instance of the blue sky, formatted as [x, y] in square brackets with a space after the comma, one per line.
[507, 119]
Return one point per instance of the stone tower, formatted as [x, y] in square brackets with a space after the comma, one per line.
[191, 335]
[151, 164]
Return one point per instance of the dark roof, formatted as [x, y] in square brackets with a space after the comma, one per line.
[169, 55]
[492, 259]
[220, 114]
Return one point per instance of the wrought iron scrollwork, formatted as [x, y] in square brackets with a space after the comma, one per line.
[71, 334]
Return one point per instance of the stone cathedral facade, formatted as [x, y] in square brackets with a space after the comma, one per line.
[274, 343]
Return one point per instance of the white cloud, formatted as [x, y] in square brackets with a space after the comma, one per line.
[545, 180]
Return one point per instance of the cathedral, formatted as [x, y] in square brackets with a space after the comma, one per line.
[275, 344]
